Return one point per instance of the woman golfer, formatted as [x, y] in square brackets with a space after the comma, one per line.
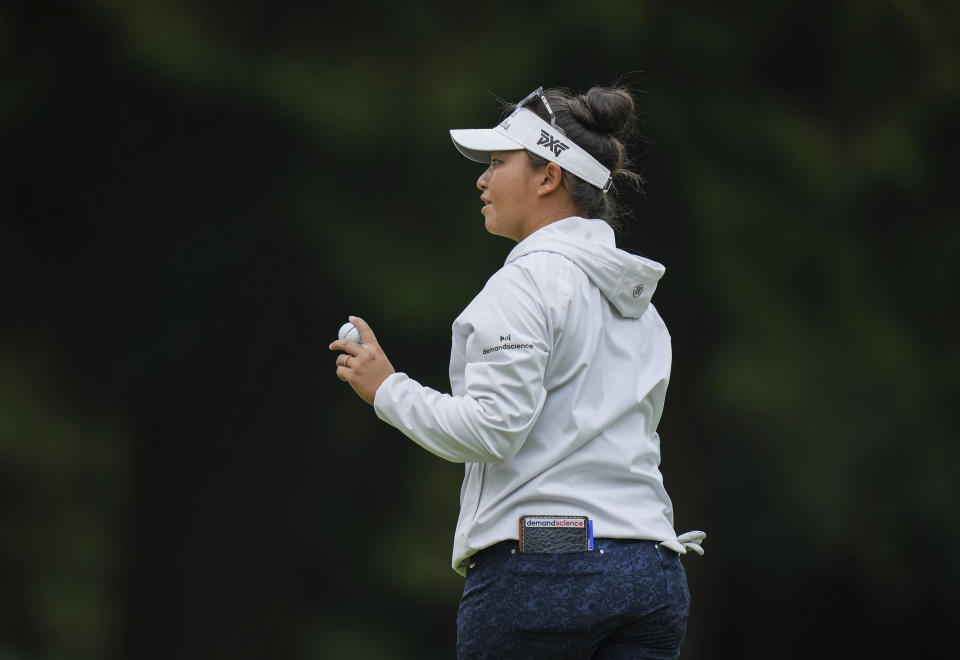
[558, 373]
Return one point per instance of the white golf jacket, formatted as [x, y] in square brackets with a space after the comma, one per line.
[558, 372]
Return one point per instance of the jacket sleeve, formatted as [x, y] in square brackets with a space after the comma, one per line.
[506, 351]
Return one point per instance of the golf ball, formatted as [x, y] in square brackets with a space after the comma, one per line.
[349, 331]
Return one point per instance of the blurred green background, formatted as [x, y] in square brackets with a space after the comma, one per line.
[194, 196]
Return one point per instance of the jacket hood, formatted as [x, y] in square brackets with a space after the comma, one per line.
[626, 280]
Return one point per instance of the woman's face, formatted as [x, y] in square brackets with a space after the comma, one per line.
[509, 192]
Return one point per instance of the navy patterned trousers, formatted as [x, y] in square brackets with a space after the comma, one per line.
[624, 599]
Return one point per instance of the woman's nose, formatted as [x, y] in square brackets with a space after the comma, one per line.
[482, 181]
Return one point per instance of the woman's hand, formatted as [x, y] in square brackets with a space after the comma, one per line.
[364, 366]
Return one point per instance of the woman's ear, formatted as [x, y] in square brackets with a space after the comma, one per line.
[551, 179]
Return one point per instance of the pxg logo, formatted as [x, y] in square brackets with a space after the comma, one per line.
[551, 143]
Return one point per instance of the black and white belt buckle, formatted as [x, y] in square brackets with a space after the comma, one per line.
[542, 533]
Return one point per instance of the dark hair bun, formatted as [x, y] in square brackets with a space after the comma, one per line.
[603, 109]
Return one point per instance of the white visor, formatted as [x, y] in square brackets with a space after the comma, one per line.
[525, 130]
